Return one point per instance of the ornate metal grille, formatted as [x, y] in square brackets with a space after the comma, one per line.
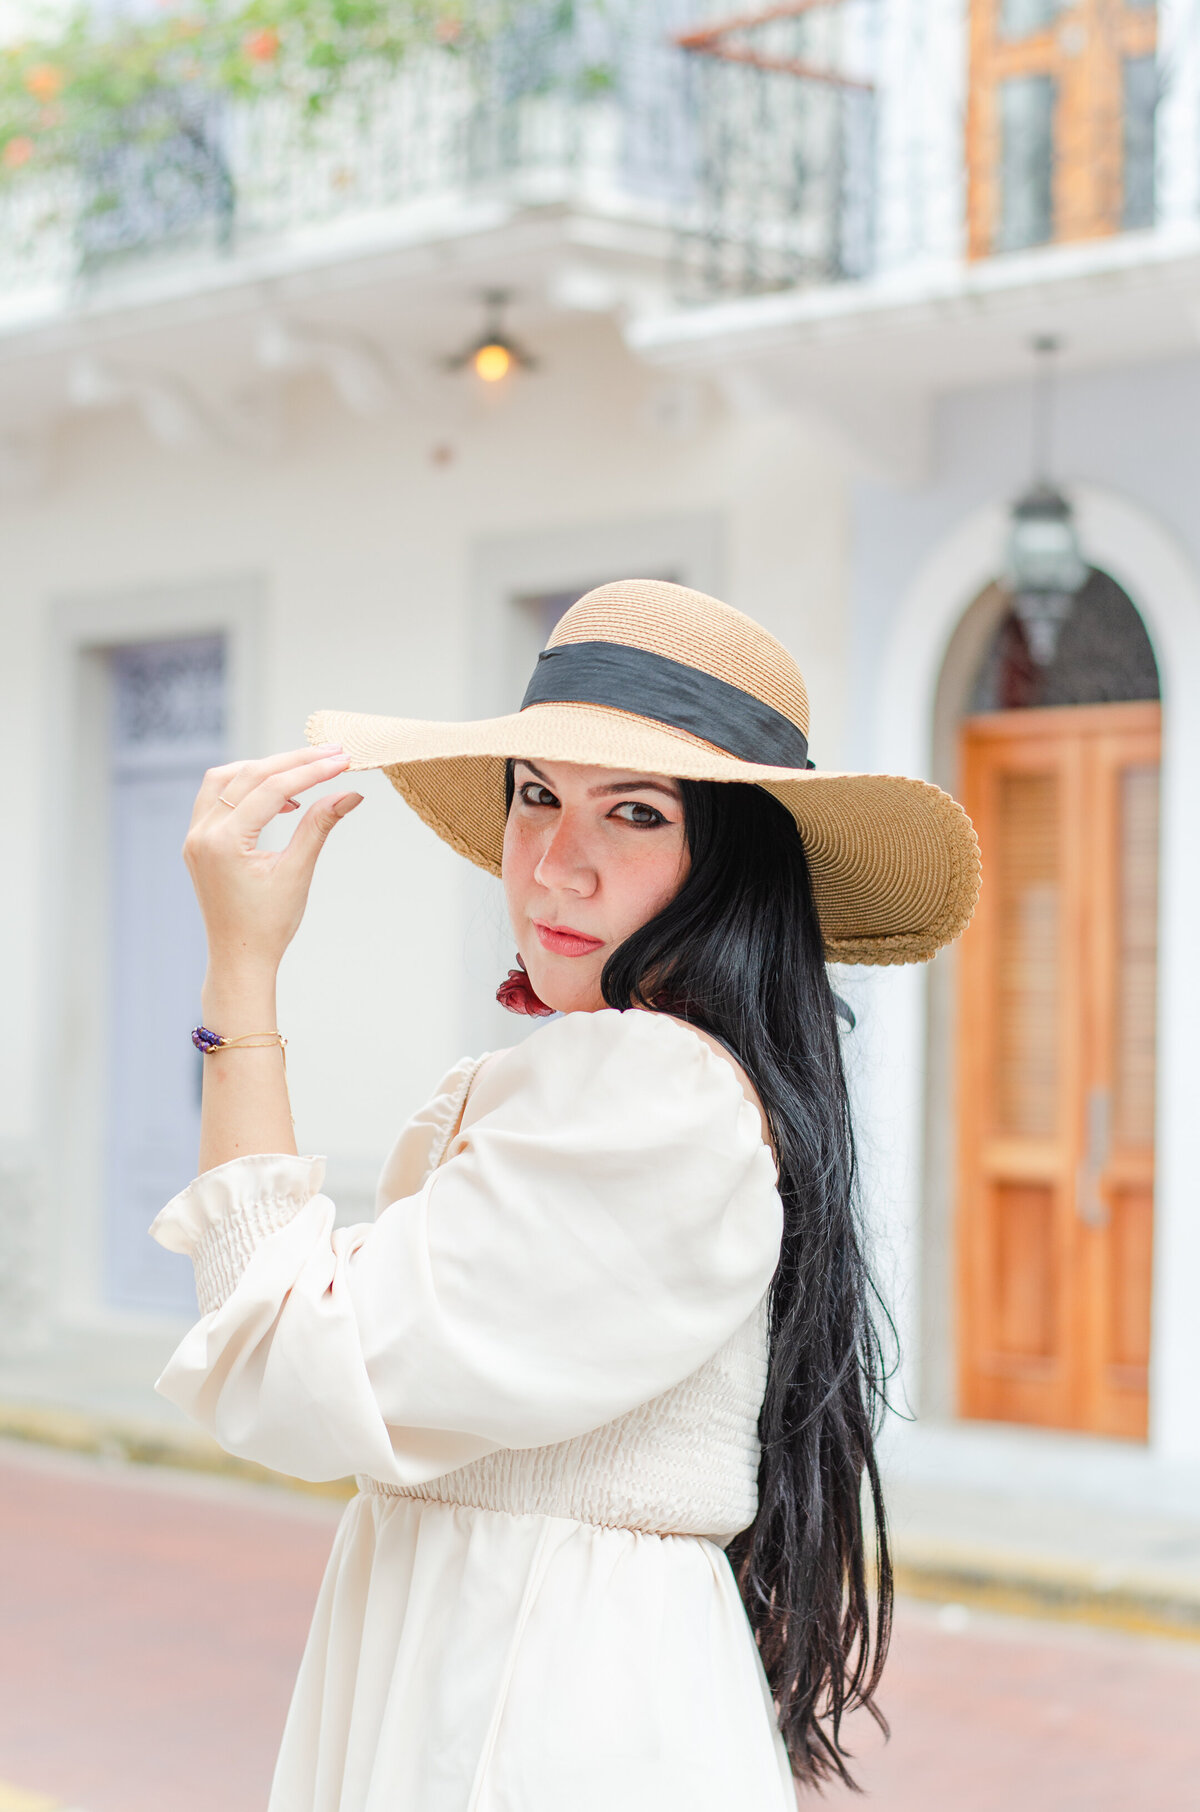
[159, 179]
[169, 693]
[1103, 656]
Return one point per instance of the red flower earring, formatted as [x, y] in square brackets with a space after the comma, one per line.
[516, 993]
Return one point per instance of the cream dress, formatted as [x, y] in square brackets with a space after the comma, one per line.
[544, 1361]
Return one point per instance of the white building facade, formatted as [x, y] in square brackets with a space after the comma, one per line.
[781, 327]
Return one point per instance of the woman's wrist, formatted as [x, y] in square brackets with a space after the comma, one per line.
[234, 1001]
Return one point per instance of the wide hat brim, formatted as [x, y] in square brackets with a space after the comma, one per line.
[894, 861]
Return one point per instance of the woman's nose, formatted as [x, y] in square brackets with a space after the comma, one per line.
[564, 862]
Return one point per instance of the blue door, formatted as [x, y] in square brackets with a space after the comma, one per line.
[167, 726]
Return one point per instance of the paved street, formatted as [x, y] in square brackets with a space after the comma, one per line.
[995, 1714]
[152, 1624]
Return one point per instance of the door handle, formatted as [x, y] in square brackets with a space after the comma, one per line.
[1089, 1202]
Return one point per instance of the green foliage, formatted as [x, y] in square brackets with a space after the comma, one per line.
[85, 82]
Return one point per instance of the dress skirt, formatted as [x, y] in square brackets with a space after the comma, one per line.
[465, 1660]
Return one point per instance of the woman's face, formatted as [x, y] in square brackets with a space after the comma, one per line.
[589, 855]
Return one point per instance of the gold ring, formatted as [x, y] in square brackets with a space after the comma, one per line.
[221, 800]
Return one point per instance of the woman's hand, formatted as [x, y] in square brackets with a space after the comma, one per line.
[253, 900]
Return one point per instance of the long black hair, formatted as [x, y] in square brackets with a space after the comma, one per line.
[738, 952]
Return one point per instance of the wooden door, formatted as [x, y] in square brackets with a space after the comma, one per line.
[1056, 1068]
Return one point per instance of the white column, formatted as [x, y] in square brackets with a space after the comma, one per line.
[1177, 126]
[884, 1060]
[922, 73]
[1164, 584]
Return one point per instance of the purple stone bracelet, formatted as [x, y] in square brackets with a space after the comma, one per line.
[206, 1041]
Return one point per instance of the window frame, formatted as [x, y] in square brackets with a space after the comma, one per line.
[1084, 52]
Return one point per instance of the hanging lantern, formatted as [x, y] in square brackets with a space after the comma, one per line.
[1044, 566]
[493, 355]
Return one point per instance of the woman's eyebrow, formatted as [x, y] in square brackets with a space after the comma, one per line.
[520, 762]
[645, 785]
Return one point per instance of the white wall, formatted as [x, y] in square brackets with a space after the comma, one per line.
[364, 550]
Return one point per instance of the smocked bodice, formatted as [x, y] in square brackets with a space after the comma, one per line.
[686, 1463]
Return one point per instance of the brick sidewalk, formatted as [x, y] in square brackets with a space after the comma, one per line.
[153, 1623]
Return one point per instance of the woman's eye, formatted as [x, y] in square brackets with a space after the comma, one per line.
[533, 793]
[632, 811]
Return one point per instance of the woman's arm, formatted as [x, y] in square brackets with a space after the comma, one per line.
[604, 1221]
[253, 901]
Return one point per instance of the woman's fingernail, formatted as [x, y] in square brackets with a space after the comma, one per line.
[329, 748]
[347, 804]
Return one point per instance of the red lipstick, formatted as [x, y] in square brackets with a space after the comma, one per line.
[564, 942]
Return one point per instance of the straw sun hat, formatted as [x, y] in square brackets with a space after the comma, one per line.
[657, 679]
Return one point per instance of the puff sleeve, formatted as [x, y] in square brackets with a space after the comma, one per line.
[605, 1218]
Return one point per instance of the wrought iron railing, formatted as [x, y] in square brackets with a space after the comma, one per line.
[782, 110]
[752, 150]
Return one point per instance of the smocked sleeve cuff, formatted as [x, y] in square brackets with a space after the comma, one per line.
[222, 1217]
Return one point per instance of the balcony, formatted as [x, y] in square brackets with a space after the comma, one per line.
[725, 177]
[797, 204]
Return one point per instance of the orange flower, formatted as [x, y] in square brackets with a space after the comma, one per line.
[44, 81]
[448, 31]
[18, 151]
[262, 46]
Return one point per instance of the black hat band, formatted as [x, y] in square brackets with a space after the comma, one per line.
[686, 698]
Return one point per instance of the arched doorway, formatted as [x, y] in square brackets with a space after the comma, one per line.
[1055, 1073]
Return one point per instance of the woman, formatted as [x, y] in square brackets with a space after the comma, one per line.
[604, 1362]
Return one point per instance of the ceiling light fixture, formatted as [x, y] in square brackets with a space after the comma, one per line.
[495, 353]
